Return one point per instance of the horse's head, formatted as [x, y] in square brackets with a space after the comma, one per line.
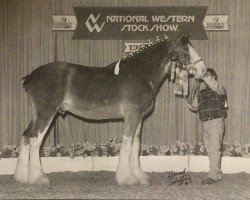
[183, 52]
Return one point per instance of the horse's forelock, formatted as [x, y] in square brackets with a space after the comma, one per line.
[182, 51]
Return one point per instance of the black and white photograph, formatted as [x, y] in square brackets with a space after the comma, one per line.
[125, 99]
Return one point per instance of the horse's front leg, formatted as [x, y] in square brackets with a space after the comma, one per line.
[124, 172]
[142, 177]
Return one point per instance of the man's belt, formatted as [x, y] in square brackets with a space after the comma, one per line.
[210, 118]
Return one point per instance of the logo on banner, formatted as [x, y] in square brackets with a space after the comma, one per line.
[216, 22]
[64, 22]
[92, 25]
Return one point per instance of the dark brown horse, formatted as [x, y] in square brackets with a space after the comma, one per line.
[97, 93]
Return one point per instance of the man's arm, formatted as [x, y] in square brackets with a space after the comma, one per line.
[214, 85]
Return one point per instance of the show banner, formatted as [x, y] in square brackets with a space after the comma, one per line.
[139, 23]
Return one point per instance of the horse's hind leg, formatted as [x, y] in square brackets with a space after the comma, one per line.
[36, 174]
[142, 177]
[22, 168]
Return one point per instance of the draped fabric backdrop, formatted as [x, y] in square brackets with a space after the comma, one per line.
[27, 41]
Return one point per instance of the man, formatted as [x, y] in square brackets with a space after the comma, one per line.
[210, 102]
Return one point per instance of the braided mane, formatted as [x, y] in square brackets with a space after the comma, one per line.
[147, 47]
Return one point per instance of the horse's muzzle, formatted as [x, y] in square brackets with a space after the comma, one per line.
[199, 71]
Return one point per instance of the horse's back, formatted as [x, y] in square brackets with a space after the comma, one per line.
[55, 75]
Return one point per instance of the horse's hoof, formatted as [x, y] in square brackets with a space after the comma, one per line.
[21, 178]
[144, 181]
[142, 177]
[129, 180]
[41, 180]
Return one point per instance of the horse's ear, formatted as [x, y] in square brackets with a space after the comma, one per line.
[185, 38]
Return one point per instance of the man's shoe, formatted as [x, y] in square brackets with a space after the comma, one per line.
[208, 181]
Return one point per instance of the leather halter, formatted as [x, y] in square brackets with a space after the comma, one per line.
[197, 61]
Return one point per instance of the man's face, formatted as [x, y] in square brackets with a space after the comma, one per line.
[209, 74]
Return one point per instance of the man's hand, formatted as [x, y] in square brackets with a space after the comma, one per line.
[214, 85]
[189, 100]
[192, 104]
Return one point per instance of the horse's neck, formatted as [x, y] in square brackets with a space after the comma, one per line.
[148, 64]
[153, 65]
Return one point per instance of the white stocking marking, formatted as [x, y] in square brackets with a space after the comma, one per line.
[36, 175]
[134, 159]
[124, 175]
[22, 169]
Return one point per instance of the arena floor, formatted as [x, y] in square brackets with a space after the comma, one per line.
[102, 185]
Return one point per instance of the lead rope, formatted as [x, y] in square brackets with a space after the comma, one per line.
[194, 91]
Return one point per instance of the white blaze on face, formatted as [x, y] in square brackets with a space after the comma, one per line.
[167, 66]
[198, 69]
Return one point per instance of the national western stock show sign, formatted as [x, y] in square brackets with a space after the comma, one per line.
[139, 23]
[133, 23]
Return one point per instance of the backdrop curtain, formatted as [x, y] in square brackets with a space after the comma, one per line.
[27, 41]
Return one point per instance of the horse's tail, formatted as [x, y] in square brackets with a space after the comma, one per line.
[25, 81]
